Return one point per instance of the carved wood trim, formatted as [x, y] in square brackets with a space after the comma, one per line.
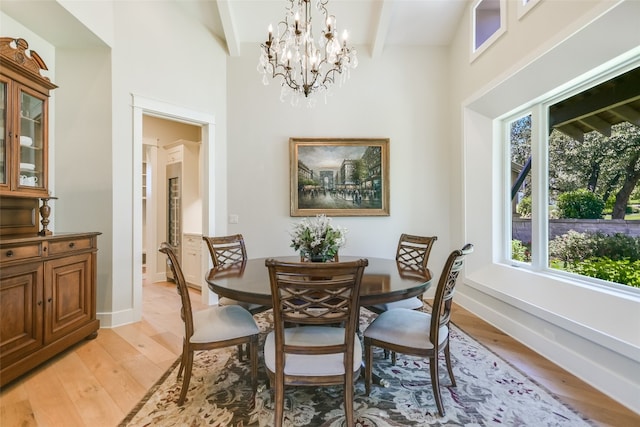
[15, 55]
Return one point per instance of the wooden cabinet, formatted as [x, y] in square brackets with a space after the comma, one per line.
[24, 126]
[47, 298]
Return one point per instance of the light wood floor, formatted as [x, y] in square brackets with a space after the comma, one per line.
[97, 382]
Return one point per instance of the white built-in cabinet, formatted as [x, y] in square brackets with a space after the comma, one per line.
[192, 259]
[187, 154]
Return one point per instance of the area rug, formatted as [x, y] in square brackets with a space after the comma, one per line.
[489, 392]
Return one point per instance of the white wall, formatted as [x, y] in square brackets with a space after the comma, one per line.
[82, 164]
[158, 54]
[591, 332]
[401, 95]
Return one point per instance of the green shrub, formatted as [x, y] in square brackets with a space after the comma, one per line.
[617, 246]
[622, 271]
[571, 247]
[524, 207]
[581, 204]
[520, 252]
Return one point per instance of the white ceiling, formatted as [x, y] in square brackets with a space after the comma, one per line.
[372, 24]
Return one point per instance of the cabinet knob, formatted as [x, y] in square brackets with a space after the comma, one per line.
[71, 245]
[39, 302]
[9, 254]
[49, 299]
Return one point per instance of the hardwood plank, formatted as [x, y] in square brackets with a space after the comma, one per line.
[144, 371]
[15, 409]
[95, 405]
[114, 378]
[118, 347]
[52, 406]
[134, 334]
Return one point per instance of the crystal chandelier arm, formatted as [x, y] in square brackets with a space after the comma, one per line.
[292, 53]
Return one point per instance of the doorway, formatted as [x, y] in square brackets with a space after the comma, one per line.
[171, 198]
[144, 110]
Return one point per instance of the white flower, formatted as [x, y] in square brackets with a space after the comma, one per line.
[316, 237]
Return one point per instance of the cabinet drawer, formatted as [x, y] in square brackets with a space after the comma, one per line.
[14, 253]
[174, 155]
[65, 246]
[192, 242]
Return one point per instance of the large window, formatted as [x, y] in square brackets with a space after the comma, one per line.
[574, 194]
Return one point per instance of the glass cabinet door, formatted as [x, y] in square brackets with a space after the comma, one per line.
[31, 141]
[4, 180]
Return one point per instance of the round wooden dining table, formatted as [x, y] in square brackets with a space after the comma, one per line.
[384, 280]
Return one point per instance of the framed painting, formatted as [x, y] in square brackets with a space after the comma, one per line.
[339, 177]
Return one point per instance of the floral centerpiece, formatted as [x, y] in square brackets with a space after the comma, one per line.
[316, 239]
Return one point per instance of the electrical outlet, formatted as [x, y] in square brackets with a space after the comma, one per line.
[233, 219]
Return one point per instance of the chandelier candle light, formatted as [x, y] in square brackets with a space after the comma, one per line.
[306, 66]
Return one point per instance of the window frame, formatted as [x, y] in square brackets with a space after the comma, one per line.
[502, 29]
[524, 6]
[539, 110]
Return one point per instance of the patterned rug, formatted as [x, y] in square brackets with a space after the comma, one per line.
[489, 392]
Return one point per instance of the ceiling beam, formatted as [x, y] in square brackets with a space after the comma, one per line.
[627, 113]
[228, 27]
[382, 28]
[572, 132]
[620, 90]
[596, 123]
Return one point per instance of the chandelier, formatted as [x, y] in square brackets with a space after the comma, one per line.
[306, 66]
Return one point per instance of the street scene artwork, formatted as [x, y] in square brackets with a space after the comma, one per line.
[339, 177]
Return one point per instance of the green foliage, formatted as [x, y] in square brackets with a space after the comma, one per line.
[616, 247]
[524, 207]
[606, 165]
[615, 258]
[520, 252]
[608, 205]
[581, 204]
[622, 271]
[571, 247]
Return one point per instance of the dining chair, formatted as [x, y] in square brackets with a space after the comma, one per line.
[321, 299]
[413, 253]
[212, 328]
[229, 250]
[225, 250]
[417, 333]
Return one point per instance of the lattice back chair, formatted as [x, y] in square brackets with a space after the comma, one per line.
[225, 250]
[211, 328]
[417, 333]
[413, 253]
[316, 297]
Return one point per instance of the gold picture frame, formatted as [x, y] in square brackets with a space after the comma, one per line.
[339, 177]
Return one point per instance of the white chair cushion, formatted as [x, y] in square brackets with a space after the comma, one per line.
[246, 305]
[222, 323]
[405, 327]
[410, 303]
[310, 365]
